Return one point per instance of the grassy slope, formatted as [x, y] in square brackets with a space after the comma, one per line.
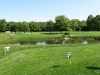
[51, 60]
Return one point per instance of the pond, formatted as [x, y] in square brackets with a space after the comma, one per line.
[42, 42]
[57, 41]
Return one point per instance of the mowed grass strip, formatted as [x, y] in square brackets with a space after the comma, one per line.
[51, 60]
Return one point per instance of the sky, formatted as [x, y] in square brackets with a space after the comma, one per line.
[44, 10]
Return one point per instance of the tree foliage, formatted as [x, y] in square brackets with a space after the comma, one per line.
[33, 26]
[2, 25]
[50, 25]
[90, 22]
[25, 26]
[61, 23]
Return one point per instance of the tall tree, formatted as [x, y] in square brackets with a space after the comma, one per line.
[96, 23]
[8, 26]
[24, 26]
[81, 25]
[61, 23]
[13, 26]
[50, 24]
[33, 26]
[2, 25]
[42, 26]
[74, 24]
[90, 22]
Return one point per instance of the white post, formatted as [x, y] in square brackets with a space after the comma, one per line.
[6, 49]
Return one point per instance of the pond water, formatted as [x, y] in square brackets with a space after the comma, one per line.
[57, 41]
[43, 42]
[85, 42]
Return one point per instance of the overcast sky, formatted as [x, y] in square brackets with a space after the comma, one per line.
[44, 10]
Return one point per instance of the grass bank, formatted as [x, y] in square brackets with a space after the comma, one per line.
[51, 60]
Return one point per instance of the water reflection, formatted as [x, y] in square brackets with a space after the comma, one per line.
[85, 42]
[72, 40]
[56, 41]
[16, 44]
[45, 42]
[41, 43]
[63, 42]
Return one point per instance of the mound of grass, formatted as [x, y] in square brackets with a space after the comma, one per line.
[51, 60]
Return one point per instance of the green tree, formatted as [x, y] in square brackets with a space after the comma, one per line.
[42, 26]
[96, 23]
[33, 26]
[20, 26]
[2, 25]
[8, 26]
[50, 24]
[13, 26]
[61, 23]
[89, 22]
[74, 24]
[81, 25]
[24, 26]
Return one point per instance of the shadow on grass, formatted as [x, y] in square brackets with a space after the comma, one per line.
[55, 66]
[93, 68]
[50, 33]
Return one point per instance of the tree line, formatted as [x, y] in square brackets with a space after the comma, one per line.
[61, 23]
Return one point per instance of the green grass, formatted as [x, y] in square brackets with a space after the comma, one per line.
[51, 60]
[87, 33]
